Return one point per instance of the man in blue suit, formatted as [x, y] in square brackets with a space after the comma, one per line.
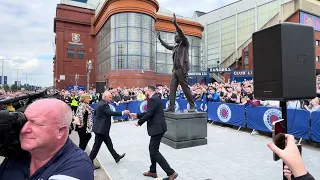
[101, 127]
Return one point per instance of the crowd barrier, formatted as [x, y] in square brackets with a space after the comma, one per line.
[306, 125]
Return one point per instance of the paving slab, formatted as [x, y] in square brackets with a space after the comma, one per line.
[229, 155]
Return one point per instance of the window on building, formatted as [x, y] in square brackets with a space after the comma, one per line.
[70, 53]
[317, 58]
[317, 43]
[80, 54]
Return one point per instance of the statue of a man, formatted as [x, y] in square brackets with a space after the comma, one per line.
[180, 67]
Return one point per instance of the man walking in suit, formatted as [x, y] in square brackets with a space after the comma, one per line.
[180, 67]
[101, 127]
[156, 128]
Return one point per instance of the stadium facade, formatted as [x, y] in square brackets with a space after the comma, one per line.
[228, 30]
[119, 38]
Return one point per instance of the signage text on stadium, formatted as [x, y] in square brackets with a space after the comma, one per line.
[219, 69]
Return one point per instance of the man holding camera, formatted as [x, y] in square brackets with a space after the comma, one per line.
[52, 155]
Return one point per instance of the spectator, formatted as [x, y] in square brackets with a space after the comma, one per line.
[314, 105]
[46, 137]
[84, 126]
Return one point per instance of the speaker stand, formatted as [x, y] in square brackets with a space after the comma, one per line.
[283, 105]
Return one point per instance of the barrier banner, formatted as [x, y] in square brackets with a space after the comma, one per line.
[227, 113]
[138, 106]
[261, 118]
[113, 107]
[301, 125]
[119, 108]
[164, 102]
[201, 106]
[315, 126]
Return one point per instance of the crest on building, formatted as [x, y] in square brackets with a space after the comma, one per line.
[75, 37]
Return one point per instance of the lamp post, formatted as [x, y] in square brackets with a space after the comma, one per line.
[2, 66]
[76, 78]
[89, 68]
[105, 82]
[18, 85]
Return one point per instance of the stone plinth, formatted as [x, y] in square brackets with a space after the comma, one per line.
[185, 129]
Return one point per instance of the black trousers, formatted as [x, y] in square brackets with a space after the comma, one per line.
[178, 77]
[97, 144]
[84, 138]
[74, 108]
[156, 156]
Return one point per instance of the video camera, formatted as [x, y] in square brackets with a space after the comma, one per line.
[12, 119]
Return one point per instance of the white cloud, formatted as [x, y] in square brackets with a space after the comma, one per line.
[26, 38]
[27, 34]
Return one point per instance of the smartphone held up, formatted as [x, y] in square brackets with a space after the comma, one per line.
[278, 136]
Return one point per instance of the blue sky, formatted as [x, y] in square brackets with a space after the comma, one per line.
[27, 34]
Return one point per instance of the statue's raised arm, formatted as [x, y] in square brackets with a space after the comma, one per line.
[164, 44]
[182, 36]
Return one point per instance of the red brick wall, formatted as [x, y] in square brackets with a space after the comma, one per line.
[73, 20]
[163, 79]
[294, 18]
[137, 78]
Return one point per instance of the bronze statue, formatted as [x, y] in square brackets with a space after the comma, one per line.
[180, 67]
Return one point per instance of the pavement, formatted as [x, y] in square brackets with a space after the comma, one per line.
[229, 155]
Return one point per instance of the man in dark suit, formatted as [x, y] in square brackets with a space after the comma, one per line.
[101, 127]
[157, 126]
[180, 67]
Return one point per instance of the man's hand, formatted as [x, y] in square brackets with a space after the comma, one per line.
[137, 123]
[126, 112]
[133, 115]
[287, 172]
[290, 156]
[174, 20]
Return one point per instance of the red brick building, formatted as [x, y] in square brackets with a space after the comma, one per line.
[119, 38]
[74, 46]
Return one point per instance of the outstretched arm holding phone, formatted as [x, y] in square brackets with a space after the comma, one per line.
[292, 158]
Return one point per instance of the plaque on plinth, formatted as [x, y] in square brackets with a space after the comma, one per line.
[185, 129]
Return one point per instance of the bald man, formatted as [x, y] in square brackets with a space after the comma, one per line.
[52, 154]
[101, 127]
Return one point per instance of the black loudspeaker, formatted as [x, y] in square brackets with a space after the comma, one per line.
[284, 66]
[100, 86]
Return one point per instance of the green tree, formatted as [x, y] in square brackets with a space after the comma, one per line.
[14, 87]
[6, 87]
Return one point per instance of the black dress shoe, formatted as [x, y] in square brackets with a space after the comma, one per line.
[120, 157]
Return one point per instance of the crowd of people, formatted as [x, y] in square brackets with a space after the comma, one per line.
[10, 94]
[234, 92]
[60, 158]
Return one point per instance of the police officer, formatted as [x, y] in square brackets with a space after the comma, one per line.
[74, 102]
